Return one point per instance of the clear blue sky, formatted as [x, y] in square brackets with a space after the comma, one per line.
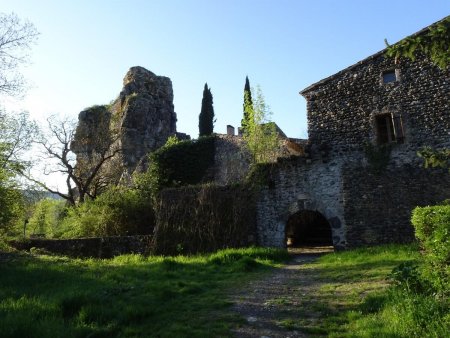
[87, 46]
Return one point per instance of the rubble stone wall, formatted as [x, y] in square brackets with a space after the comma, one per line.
[295, 185]
[338, 180]
[97, 247]
[342, 108]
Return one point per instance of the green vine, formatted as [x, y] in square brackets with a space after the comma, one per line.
[260, 175]
[435, 157]
[178, 163]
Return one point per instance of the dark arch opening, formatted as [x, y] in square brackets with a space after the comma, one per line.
[308, 228]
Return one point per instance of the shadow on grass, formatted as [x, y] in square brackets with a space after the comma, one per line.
[126, 296]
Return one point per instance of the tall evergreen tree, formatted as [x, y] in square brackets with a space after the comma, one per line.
[206, 117]
[248, 103]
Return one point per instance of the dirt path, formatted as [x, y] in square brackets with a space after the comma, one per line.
[272, 307]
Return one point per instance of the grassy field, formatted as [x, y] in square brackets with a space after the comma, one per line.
[128, 296]
[135, 296]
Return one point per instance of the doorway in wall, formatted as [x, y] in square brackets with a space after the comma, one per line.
[308, 228]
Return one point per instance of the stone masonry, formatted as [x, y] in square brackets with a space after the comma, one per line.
[140, 121]
[145, 113]
[375, 105]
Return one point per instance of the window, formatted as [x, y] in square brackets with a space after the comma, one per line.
[389, 76]
[389, 128]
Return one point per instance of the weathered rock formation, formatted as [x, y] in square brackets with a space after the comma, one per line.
[144, 114]
[138, 122]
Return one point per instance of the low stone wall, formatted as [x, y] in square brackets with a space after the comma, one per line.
[98, 247]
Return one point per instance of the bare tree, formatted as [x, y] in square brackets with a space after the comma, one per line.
[83, 175]
[16, 38]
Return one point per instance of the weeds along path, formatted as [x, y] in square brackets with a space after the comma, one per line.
[272, 307]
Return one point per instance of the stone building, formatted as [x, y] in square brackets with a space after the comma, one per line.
[362, 177]
[353, 183]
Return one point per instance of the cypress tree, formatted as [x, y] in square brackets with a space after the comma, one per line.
[206, 117]
[248, 103]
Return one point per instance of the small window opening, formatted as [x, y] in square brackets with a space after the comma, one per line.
[389, 128]
[389, 76]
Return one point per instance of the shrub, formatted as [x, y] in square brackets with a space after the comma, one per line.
[432, 228]
[177, 163]
[407, 277]
[47, 218]
[118, 211]
[11, 206]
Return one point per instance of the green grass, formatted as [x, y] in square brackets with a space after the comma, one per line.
[136, 296]
[353, 298]
[128, 296]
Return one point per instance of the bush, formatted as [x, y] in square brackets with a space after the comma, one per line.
[117, 212]
[47, 218]
[178, 163]
[11, 205]
[407, 277]
[432, 228]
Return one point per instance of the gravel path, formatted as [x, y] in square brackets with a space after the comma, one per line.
[272, 307]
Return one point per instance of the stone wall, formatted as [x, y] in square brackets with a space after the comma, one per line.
[342, 108]
[337, 179]
[300, 184]
[377, 208]
[98, 247]
[231, 160]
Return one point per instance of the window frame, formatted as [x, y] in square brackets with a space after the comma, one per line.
[395, 72]
[389, 128]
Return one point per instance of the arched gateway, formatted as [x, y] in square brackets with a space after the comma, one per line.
[308, 228]
[302, 222]
[306, 223]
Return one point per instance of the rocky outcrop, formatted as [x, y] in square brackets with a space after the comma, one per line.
[138, 122]
[144, 114]
[93, 128]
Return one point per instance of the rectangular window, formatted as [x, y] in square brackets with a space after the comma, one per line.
[389, 128]
[389, 76]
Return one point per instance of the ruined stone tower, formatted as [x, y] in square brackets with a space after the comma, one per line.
[145, 115]
[138, 122]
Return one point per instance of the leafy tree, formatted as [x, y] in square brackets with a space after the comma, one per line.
[260, 134]
[206, 117]
[16, 135]
[248, 103]
[434, 43]
[16, 38]
[10, 202]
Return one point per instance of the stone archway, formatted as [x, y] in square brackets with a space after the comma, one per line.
[329, 222]
[276, 206]
[308, 228]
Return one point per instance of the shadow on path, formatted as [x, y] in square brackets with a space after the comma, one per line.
[270, 307]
